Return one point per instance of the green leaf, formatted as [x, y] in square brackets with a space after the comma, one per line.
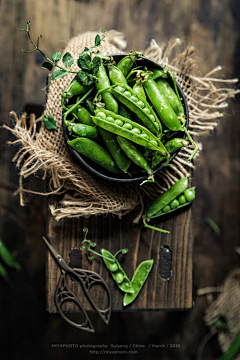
[68, 60]
[97, 40]
[84, 79]
[56, 56]
[49, 122]
[97, 62]
[47, 65]
[58, 74]
[86, 49]
[97, 52]
[84, 61]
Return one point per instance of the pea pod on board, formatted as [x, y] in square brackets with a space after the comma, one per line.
[121, 160]
[117, 272]
[182, 200]
[103, 82]
[95, 152]
[138, 280]
[129, 129]
[139, 106]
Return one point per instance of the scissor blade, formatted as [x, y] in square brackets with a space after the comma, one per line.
[56, 254]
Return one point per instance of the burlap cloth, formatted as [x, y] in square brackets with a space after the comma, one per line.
[84, 194]
[225, 307]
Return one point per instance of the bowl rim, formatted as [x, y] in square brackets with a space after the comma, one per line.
[110, 177]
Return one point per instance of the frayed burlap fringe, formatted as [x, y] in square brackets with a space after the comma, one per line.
[85, 194]
[227, 307]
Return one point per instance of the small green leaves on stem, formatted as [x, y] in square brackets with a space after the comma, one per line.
[58, 74]
[90, 245]
[47, 65]
[49, 122]
[68, 60]
[56, 56]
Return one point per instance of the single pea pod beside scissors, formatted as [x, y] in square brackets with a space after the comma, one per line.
[87, 279]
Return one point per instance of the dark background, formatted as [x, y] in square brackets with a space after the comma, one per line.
[27, 331]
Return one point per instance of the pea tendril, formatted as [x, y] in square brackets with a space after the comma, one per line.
[89, 245]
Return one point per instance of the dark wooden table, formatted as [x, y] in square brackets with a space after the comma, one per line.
[213, 28]
[114, 234]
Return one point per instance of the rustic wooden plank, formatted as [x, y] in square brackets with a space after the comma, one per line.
[112, 234]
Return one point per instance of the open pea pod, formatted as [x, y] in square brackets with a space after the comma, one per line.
[138, 280]
[117, 272]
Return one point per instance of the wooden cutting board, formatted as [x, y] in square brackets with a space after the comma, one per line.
[113, 234]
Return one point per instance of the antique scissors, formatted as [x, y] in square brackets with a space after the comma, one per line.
[87, 279]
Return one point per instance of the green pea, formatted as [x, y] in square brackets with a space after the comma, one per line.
[119, 278]
[102, 115]
[136, 131]
[189, 194]
[133, 98]
[119, 88]
[127, 93]
[118, 122]
[145, 136]
[182, 199]
[174, 204]
[147, 111]
[166, 208]
[152, 117]
[110, 119]
[154, 142]
[127, 126]
[141, 104]
[113, 267]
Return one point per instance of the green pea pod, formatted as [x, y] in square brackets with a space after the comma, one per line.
[101, 83]
[138, 88]
[121, 160]
[128, 129]
[123, 285]
[7, 257]
[171, 146]
[133, 153]
[126, 64]
[115, 75]
[95, 152]
[156, 73]
[164, 199]
[126, 95]
[162, 106]
[90, 132]
[138, 280]
[75, 88]
[179, 202]
[125, 112]
[91, 107]
[3, 272]
[84, 116]
[164, 86]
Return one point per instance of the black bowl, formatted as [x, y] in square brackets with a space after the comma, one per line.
[105, 174]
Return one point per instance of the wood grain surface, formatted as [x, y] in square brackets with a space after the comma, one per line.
[212, 27]
[143, 244]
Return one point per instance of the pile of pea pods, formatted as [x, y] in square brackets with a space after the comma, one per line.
[130, 121]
